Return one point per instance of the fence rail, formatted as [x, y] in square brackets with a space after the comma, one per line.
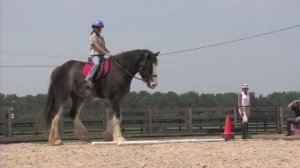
[162, 122]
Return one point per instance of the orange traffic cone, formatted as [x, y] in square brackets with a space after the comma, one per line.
[228, 134]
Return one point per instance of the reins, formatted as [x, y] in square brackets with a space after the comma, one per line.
[128, 73]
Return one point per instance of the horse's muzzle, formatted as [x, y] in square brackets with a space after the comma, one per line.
[152, 84]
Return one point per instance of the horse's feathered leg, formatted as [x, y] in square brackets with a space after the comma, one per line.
[61, 93]
[52, 113]
[54, 137]
[116, 122]
[108, 133]
[117, 134]
[80, 130]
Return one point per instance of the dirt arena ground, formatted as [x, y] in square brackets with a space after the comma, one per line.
[260, 152]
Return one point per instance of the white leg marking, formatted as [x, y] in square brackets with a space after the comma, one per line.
[117, 134]
[54, 137]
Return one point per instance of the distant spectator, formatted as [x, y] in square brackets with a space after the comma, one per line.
[295, 106]
[244, 110]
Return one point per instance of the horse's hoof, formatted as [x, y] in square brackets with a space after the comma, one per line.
[118, 139]
[107, 136]
[56, 143]
[85, 138]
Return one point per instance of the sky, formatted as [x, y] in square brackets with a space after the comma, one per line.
[49, 33]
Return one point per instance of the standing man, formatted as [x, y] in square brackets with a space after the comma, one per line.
[244, 110]
[295, 106]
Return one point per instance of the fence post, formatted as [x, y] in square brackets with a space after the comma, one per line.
[5, 125]
[9, 123]
[265, 124]
[277, 119]
[104, 120]
[234, 117]
[150, 120]
[190, 120]
[107, 118]
[281, 120]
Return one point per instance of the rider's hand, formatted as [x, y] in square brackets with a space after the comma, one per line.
[109, 54]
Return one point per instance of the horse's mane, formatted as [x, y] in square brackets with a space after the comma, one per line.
[135, 56]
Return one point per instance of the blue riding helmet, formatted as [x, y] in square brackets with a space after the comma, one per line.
[97, 24]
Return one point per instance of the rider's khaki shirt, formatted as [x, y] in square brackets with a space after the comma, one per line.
[94, 38]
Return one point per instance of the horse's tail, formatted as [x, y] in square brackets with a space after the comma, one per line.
[50, 104]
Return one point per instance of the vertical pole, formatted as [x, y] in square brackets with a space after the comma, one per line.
[9, 123]
[150, 120]
[235, 117]
[5, 122]
[265, 124]
[106, 118]
[281, 119]
[277, 119]
[190, 120]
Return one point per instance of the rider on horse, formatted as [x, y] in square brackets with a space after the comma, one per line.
[97, 50]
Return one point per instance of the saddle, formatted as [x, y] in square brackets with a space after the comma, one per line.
[102, 71]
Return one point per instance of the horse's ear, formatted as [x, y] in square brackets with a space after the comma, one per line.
[156, 54]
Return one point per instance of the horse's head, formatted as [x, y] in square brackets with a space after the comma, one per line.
[147, 68]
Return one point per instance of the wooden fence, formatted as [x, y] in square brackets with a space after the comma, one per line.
[160, 122]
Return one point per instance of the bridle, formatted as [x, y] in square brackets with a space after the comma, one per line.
[142, 67]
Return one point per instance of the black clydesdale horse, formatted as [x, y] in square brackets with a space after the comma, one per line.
[67, 81]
